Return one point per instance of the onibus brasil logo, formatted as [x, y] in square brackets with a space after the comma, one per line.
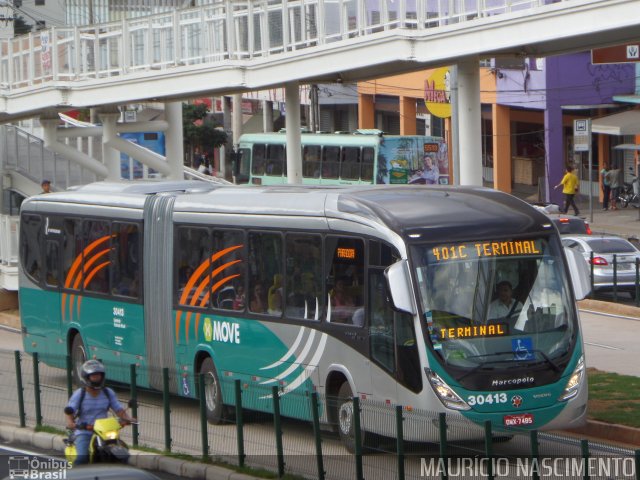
[44, 468]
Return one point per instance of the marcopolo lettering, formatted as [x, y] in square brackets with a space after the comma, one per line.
[512, 381]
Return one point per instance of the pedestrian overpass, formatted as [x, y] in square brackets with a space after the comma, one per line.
[234, 46]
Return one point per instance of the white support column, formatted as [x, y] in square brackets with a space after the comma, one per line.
[110, 156]
[267, 116]
[236, 118]
[174, 140]
[469, 122]
[292, 122]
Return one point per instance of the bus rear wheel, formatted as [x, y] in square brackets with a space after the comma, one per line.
[78, 357]
[212, 392]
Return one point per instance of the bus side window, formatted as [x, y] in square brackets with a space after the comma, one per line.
[345, 282]
[311, 161]
[71, 250]
[258, 157]
[303, 274]
[266, 283]
[368, 157]
[330, 162]
[227, 270]
[97, 264]
[30, 246]
[125, 258]
[275, 160]
[192, 266]
[52, 263]
[350, 165]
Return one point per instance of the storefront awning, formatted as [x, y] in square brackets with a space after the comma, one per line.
[625, 123]
[627, 146]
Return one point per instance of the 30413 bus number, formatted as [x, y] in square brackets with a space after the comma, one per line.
[487, 399]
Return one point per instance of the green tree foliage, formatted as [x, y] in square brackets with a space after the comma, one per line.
[20, 26]
[199, 130]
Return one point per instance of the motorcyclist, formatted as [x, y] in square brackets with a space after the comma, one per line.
[89, 403]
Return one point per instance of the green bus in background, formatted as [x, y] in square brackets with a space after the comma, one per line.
[363, 157]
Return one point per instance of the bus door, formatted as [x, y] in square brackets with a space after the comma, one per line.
[392, 339]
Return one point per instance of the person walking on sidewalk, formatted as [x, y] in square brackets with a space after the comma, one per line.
[615, 182]
[606, 187]
[569, 185]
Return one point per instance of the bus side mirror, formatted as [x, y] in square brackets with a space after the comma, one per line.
[580, 273]
[399, 286]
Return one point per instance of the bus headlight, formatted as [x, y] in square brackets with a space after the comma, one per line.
[571, 390]
[445, 393]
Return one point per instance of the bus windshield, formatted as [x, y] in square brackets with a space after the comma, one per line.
[496, 305]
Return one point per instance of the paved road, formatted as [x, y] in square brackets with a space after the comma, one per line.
[612, 343]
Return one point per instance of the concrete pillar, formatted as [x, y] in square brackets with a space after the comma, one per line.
[603, 156]
[267, 116]
[110, 156]
[502, 165]
[469, 121]
[407, 116]
[556, 158]
[366, 111]
[226, 113]
[174, 140]
[237, 118]
[294, 143]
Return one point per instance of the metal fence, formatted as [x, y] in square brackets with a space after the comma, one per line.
[35, 394]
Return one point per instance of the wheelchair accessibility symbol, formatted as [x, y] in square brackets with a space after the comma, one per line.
[522, 348]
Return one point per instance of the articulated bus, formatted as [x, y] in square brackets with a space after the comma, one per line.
[385, 292]
[364, 157]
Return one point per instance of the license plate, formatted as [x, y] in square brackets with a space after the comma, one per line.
[516, 420]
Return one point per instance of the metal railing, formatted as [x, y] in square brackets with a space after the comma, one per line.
[26, 154]
[221, 31]
[617, 284]
[34, 395]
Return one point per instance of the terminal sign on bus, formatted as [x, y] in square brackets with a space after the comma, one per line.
[478, 250]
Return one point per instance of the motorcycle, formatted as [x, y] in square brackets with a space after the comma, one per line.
[105, 445]
[630, 193]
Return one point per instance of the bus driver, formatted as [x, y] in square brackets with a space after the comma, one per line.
[505, 306]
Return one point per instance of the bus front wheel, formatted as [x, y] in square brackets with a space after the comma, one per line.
[78, 357]
[212, 392]
[346, 422]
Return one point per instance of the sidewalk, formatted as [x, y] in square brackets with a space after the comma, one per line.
[624, 221]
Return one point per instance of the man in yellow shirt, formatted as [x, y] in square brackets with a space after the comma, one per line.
[569, 188]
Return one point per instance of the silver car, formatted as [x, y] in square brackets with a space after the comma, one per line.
[604, 248]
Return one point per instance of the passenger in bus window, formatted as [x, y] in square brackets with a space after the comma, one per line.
[274, 296]
[342, 303]
[239, 301]
[258, 304]
[505, 306]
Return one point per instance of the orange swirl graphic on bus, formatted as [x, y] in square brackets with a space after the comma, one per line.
[197, 292]
[78, 272]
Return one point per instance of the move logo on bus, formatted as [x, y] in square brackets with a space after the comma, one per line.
[219, 331]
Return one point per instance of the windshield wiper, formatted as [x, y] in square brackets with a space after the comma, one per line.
[544, 356]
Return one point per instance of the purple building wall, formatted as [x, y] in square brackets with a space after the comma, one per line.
[563, 81]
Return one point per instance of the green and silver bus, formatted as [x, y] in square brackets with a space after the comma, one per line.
[364, 157]
[385, 292]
